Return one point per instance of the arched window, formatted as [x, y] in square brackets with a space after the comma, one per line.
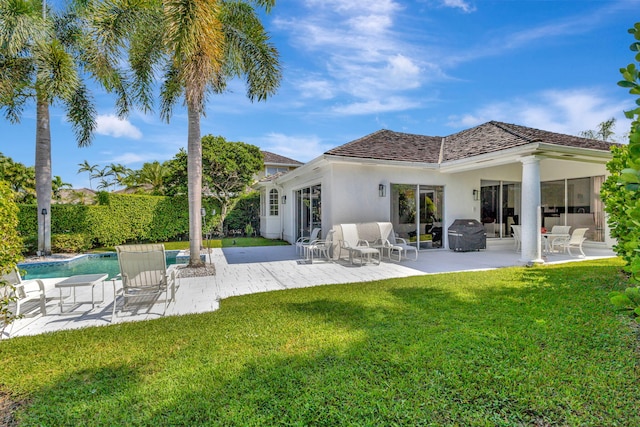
[273, 202]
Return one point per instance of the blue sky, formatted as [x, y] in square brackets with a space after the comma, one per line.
[352, 67]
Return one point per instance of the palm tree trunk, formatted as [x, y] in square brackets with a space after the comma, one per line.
[194, 184]
[43, 176]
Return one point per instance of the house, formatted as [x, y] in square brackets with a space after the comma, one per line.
[275, 163]
[498, 173]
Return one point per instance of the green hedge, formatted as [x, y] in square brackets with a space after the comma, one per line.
[121, 218]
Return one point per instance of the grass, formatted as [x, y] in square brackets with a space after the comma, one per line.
[532, 347]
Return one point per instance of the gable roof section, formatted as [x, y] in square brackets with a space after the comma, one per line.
[497, 136]
[388, 145]
[277, 159]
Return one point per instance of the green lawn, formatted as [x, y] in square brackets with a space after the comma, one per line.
[518, 346]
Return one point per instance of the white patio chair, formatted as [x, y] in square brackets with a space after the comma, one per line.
[392, 244]
[24, 291]
[385, 246]
[517, 237]
[303, 241]
[356, 246]
[399, 242]
[561, 229]
[321, 247]
[574, 241]
[143, 270]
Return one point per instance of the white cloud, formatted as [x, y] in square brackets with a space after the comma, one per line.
[298, 147]
[461, 4]
[318, 89]
[376, 106]
[111, 125]
[563, 111]
[362, 58]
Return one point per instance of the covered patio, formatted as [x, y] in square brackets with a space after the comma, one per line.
[242, 271]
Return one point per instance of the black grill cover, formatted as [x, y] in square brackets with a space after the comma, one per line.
[467, 235]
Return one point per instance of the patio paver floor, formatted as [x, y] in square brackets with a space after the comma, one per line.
[241, 271]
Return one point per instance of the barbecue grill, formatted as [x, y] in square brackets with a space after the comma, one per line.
[467, 235]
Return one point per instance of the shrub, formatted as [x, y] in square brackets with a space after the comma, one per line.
[246, 211]
[10, 251]
[71, 242]
[120, 218]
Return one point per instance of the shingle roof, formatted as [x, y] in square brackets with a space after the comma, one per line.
[277, 159]
[496, 136]
[389, 145]
[486, 138]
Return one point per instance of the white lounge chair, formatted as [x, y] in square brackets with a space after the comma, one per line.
[355, 246]
[23, 291]
[143, 270]
[303, 242]
[575, 241]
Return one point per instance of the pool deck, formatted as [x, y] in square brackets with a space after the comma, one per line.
[241, 271]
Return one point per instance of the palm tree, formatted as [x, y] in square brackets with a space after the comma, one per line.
[41, 58]
[154, 174]
[86, 167]
[200, 45]
[56, 185]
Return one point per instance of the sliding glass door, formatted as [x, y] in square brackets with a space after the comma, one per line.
[500, 207]
[416, 214]
[308, 210]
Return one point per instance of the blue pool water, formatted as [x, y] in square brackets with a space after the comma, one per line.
[85, 264]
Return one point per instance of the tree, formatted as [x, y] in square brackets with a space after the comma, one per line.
[621, 191]
[56, 185]
[604, 132]
[91, 169]
[154, 175]
[228, 169]
[20, 178]
[43, 57]
[199, 46]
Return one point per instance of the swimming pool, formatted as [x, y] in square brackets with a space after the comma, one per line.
[85, 264]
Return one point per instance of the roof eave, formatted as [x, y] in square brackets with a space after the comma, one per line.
[511, 155]
[379, 162]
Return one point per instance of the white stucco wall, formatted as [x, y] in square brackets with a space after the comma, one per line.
[350, 190]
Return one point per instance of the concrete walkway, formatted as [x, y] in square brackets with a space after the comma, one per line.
[241, 271]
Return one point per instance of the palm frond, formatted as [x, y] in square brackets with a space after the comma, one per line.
[248, 51]
[16, 76]
[82, 114]
[21, 24]
[57, 74]
[171, 91]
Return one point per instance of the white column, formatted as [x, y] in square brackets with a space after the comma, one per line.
[531, 221]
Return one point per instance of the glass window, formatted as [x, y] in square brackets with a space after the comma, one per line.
[273, 202]
[271, 170]
[575, 202]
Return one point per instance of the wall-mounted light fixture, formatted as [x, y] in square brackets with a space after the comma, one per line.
[203, 212]
[382, 190]
[476, 194]
[284, 200]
